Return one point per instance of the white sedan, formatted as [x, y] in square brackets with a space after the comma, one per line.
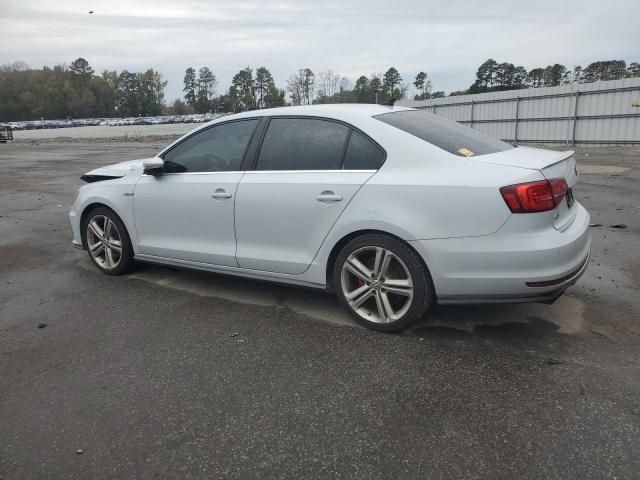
[393, 209]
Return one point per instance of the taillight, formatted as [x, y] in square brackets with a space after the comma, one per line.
[532, 197]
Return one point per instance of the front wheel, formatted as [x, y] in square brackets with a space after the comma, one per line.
[382, 282]
[107, 242]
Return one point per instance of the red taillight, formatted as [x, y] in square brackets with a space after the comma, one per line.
[531, 197]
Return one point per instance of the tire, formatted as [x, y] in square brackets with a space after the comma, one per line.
[394, 280]
[105, 256]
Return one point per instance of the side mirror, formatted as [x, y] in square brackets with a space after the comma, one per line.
[153, 166]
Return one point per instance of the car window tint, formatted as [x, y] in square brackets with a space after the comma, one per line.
[444, 133]
[302, 144]
[362, 154]
[217, 149]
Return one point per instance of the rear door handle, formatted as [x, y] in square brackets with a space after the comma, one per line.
[220, 193]
[329, 196]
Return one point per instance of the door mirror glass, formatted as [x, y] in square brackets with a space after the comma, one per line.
[153, 166]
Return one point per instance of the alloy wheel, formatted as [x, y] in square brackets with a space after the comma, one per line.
[104, 242]
[377, 284]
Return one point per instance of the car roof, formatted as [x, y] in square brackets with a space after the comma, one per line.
[351, 113]
[338, 111]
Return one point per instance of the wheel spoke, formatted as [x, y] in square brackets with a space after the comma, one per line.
[397, 282]
[386, 260]
[363, 298]
[108, 258]
[387, 306]
[96, 249]
[380, 253]
[407, 292]
[107, 228]
[399, 287]
[96, 230]
[357, 292]
[115, 245]
[382, 312]
[358, 269]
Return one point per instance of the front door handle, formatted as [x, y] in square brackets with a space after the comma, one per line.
[329, 196]
[220, 193]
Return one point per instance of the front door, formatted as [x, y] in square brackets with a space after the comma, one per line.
[188, 212]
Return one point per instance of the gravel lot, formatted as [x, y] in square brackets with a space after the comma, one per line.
[177, 374]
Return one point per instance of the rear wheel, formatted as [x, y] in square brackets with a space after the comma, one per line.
[382, 282]
[107, 242]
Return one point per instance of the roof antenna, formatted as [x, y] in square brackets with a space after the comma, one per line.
[389, 103]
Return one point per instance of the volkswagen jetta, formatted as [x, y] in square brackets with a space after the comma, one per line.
[393, 209]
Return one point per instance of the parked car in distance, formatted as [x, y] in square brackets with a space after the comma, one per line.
[6, 133]
[391, 208]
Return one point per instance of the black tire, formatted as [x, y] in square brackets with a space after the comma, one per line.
[423, 292]
[125, 259]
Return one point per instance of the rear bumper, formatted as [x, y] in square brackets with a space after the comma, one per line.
[548, 296]
[512, 265]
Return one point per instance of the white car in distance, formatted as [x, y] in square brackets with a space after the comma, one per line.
[391, 208]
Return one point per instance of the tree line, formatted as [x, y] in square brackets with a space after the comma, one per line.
[253, 90]
[76, 91]
[493, 76]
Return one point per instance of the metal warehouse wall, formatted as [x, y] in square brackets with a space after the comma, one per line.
[599, 113]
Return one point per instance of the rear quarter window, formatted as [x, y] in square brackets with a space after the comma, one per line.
[444, 133]
[362, 154]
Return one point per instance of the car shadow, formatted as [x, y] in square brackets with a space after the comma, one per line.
[565, 316]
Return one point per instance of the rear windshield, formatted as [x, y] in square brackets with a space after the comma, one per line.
[444, 133]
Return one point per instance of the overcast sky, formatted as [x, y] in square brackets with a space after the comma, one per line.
[446, 38]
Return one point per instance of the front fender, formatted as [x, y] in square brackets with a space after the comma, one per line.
[115, 194]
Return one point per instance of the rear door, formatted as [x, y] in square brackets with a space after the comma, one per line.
[306, 172]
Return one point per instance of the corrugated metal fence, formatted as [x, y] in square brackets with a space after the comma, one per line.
[599, 113]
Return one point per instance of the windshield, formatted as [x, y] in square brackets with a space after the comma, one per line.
[444, 133]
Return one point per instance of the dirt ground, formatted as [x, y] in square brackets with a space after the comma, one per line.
[177, 374]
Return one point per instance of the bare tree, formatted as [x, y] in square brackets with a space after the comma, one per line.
[308, 85]
[295, 88]
[301, 87]
[328, 82]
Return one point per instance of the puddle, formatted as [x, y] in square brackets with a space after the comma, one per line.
[566, 314]
[601, 169]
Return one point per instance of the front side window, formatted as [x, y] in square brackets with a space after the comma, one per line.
[443, 133]
[302, 144]
[220, 148]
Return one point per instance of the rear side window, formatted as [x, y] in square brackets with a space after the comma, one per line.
[302, 144]
[362, 154]
[444, 133]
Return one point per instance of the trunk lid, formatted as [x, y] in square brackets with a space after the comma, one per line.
[552, 165]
